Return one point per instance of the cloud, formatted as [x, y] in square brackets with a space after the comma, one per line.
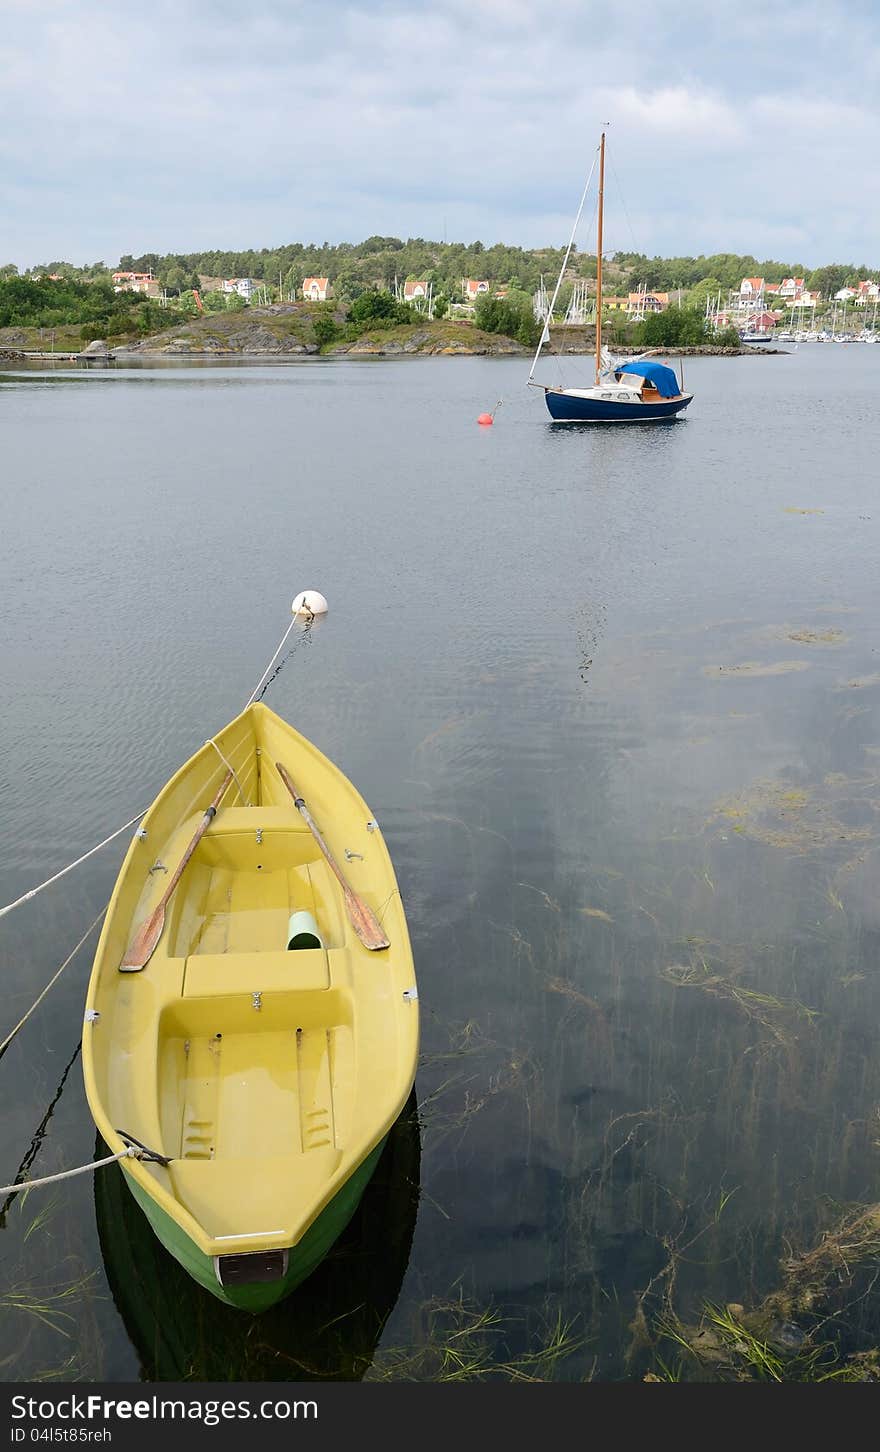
[175, 128]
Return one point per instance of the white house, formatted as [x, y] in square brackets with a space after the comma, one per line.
[244, 286]
[845, 294]
[791, 287]
[315, 289]
[751, 288]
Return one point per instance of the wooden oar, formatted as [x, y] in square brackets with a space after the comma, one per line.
[362, 917]
[142, 945]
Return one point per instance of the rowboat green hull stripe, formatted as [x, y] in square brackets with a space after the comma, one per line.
[303, 1258]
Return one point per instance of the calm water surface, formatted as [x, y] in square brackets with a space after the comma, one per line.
[614, 696]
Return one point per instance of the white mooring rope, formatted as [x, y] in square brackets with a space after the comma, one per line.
[127, 1154]
[26, 897]
[252, 696]
[70, 866]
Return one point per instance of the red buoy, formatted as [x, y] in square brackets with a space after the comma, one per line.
[485, 418]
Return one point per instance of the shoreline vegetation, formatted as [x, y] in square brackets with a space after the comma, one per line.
[380, 297]
[293, 330]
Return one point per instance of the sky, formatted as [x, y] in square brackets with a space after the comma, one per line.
[180, 127]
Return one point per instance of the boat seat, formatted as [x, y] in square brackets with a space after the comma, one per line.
[210, 975]
[251, 819]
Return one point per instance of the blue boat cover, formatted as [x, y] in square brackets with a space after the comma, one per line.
[663, 378]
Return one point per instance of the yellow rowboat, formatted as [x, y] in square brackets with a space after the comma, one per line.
[262, 1079]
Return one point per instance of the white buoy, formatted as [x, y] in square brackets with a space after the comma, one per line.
[309, 602]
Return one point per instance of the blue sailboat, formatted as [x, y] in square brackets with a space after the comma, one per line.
[637, 390]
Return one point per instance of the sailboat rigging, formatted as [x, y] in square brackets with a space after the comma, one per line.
[634, 390]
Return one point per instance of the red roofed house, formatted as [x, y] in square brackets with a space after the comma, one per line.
[869, 291]
[414, 289]
[751, 287]
[762, 322]
[791, 287]
[639, 303]
[473, 288]
[143, 282]
[315, 289]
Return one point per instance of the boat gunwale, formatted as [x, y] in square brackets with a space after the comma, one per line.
[147, 1173]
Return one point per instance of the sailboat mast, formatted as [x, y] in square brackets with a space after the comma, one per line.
[599, 259]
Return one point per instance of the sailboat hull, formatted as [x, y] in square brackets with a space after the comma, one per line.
[571, 408]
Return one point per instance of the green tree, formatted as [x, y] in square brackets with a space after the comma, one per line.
[380, 309]
[216, 302]
[830, 279]
[727, 337]
[325, 329]
[176, 279]
[707, 287]
[511, 316]
[347, 286]
[676, 327]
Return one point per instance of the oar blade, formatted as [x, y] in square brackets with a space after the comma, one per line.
[142, 946]
[365, 923]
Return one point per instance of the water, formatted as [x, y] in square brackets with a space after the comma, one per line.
[613, 696]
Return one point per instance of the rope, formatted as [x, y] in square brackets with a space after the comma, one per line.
[127, 1154]
[22, 1021]
[545, 331]
[70, 866]
[26, 897]
[252, 697]
[229, 767]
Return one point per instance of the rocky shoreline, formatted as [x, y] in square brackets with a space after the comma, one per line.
[288, 331]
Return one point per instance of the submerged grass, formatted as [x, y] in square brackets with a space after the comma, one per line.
[812, 1328]
[777, 1016]
[460, 1340]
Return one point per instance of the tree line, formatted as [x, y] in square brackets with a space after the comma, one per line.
[378, 262]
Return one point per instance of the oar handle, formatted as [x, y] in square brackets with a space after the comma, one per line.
[299, 803]
[360, 914]
[210, 814]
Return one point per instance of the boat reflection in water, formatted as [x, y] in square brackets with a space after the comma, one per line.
[326, 1330]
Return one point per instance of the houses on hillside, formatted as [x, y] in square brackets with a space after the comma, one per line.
[755, 292]
[143, 282]
[246, 287]
[867, 291]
